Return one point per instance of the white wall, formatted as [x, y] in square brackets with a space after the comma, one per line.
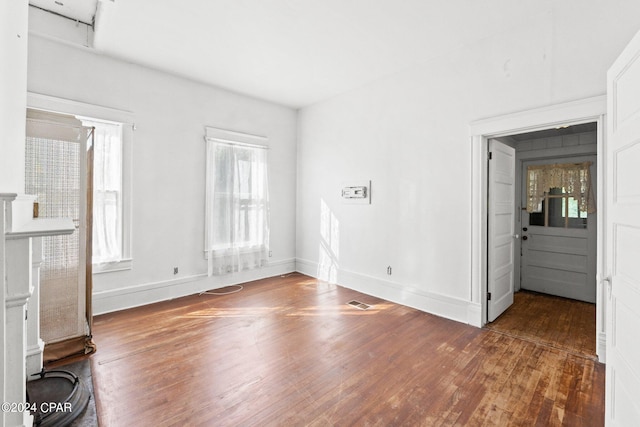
[168, 166]
[409, 134]
[13, 97]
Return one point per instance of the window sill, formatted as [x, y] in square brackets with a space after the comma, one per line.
[108, 267]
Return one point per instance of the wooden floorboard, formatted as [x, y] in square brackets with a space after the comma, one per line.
[559, 322]
[290, 351]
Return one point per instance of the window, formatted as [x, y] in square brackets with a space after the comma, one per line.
[559, 209]
[112, 170]
[237, 205]
[107, 191]
[560, 195]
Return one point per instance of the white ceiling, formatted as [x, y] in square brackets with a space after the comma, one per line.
[293, 52]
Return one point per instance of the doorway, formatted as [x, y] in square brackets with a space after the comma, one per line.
[555, 247]
[590, 110]
[555, 252]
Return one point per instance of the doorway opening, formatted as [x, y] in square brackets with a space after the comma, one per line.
[586, 116]
[554, 240]
[556, 228]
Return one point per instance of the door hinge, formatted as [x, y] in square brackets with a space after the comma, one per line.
[490, 155]
[488, 296]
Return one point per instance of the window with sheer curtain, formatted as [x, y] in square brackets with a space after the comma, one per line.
[573, 178]
[237, 205]
[107, 192]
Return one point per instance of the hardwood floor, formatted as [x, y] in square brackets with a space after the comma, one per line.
[291, 352]
[555, 321]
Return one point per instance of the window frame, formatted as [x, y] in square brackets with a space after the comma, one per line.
[564, 197]
[99, 113]
[214, 136]
[124, 263]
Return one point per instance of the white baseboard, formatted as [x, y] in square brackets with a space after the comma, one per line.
[430, 302]
[148, 293]
[34, 359]
[474, 314]
[307, 267]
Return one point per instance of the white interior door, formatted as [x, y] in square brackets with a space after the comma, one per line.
[622, 253]
[501, 208]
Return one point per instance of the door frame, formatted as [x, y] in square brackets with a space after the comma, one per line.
[570, 113]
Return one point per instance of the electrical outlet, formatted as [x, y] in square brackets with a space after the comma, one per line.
[389, 270]
[175, 270]
[270, 254]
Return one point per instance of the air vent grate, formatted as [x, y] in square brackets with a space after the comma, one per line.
[359, 305]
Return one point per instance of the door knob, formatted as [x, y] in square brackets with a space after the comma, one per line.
[524, 237]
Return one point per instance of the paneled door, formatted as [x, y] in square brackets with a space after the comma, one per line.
[501, 208]
[558, 247]
[622, 251]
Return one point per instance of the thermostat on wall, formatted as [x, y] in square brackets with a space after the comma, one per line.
[357, 192]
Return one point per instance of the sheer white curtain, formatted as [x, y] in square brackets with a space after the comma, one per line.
[107, 192]
[573, 178]
[237, 207]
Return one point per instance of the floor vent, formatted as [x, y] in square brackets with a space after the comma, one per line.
[360, 305]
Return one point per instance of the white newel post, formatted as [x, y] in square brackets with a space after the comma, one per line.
[18, 291]
[21, 343]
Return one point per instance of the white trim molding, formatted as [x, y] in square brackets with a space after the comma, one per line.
[235, 137]
[54, 104]
[575, 112]
[134, 296]
[570, 113]
[601, 347]
[441, 305]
